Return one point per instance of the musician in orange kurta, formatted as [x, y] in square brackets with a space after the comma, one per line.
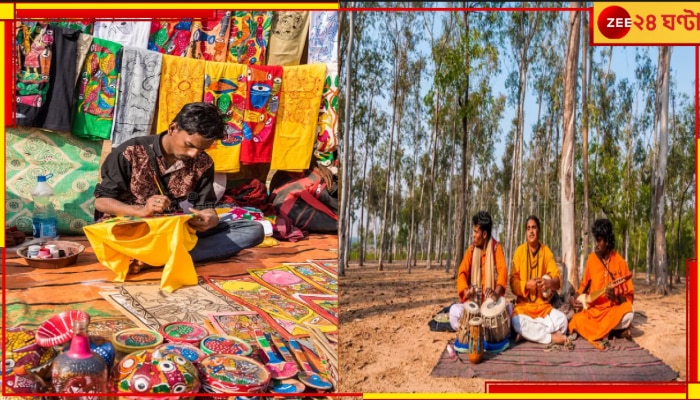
[492, 268]
[534, 318]
[613, 310]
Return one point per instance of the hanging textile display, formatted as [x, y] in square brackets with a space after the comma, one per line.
[97, 91]
[289, 30]
[264, 83]
[226, 87]
[170, 37]
[249, 38]
[126, 33]
[209, 38]
[84, 42]
[323, 37]
[297, 118]
[181, 82]
[155, 241]
[138, 91]
[327, 130]
[85, 26]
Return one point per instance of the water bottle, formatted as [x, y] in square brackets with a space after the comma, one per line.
[44, 220]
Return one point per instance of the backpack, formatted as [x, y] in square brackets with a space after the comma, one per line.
[304, 198]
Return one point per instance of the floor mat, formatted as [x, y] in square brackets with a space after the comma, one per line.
[622, 361]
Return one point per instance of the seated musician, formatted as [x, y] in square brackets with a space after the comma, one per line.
[482, 273]
[612, 311]
[534, 318]
[165, 173]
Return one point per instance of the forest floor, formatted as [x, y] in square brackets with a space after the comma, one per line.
[386, 345]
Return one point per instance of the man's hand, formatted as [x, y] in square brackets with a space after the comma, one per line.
[155, 205]
[575, 304]
[610, 294]
[531, 284]
[203, 220]
[490, 293]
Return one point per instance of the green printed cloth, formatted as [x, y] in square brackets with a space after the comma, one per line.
[74, 163]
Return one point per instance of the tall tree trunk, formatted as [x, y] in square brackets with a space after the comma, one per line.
[660, 256]
[462, 203]
[450, 212]
[345, 189]
[584, 129]
[361, 230]
[568, 240]
[433, 156]
[678, 234]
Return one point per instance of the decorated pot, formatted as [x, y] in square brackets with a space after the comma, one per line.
[189, 352]
[20, 382]
[227, 373]
[222, 344]
[136, 339]
[22, 351]
[154, 372]
[183, 332]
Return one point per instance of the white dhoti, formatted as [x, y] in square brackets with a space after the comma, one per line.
[540, 329]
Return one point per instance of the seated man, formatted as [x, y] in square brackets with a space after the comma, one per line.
[170, 172]
[612, 311]
[482, 273]
[534, 318]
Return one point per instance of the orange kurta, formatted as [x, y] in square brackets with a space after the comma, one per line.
[464, 276]
[603, 315]
[525, 268]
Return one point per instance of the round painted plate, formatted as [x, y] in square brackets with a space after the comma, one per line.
[222, 344]
[183, 332]
[59, 328]
[135, 339]
[187, 351]
[226, 373]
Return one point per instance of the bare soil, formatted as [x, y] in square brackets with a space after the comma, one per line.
[386, 345]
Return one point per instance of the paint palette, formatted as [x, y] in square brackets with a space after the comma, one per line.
[135, 339]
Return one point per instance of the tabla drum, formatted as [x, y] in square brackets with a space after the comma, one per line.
[547, 293]
[476, 340]
[496, 323]
[471, 310]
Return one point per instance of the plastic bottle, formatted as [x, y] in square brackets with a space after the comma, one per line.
[44, 220]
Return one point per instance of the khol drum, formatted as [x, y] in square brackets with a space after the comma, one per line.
[476, 340]
[496, 324]
[471, 310]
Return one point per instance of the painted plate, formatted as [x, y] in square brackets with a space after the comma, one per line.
[135, 339]
[222, 344]
[183, 332]
[226, 373]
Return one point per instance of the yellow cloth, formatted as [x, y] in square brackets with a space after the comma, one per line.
[603, 315]
[154, 241]
[227, 90]
[181, 82]
[464, 272]
[297, 118]
[526, 268]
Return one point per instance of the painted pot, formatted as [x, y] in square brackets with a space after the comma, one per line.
[227, 373]
[22, 351]
[222, 344]
[183, 332]
[189, 352]
[155, 372]
[136, 339]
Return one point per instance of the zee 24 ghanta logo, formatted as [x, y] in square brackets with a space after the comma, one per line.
[615, 22]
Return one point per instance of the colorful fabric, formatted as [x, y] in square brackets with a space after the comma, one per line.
[327, 130]
[226, 87]
[154, 241]
[603, 315]
[249, 213]
[316, 276]
[126, 33]
[297, 118]
[138, 91]
[84, 42]
[241, 324]
[284, 280]
[528, 266]
[170, 37]
[323, 37]
[85, 26]
[262, 103]
[464, 271]
[32, 80]
[74, 162]
[97, 91]
[250, 35]
[181, 82]
[209, 39]
[289, 29]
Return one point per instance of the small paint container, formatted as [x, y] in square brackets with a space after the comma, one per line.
[44, 253]
[51, 247]
[33, 251]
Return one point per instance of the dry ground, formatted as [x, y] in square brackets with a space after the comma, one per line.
[386, 345]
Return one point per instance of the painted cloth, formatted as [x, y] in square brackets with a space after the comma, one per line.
[85, 26]
[262, 103]
[327, 130]
[289, 30]
[138, 91]
[126, 33]
[250, 35]
[170, 37]
[465, 267]
[127, 175]
[528, 266]
[180, 83]
[209, 38]
[97, 91]
[226, 88]
[154, 241]
[74, 163]
[84, 42]
[603, 315]
[323, 37]
[295, 132]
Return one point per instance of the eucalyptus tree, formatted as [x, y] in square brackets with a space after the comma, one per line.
[344, 197]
